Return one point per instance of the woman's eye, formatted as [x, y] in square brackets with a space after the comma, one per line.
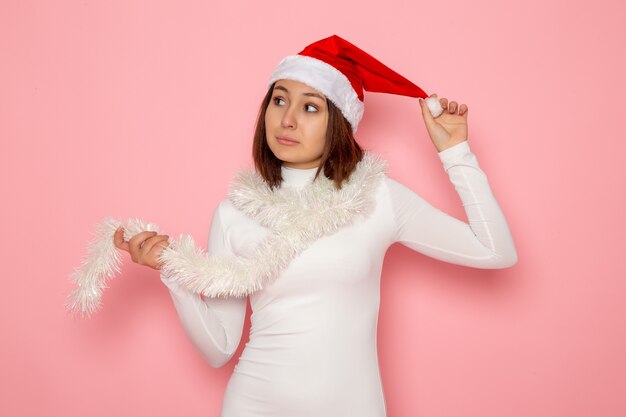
[307, 107]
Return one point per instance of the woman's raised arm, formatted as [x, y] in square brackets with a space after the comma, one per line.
[484, 242]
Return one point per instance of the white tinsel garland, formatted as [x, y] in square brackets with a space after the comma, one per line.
[295, 217]
[102, 263]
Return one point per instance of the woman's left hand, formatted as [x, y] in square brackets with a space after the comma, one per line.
[450, 127]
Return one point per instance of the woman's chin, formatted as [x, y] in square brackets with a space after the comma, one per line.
[292, 159]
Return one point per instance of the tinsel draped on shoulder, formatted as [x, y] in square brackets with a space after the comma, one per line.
[281, 208]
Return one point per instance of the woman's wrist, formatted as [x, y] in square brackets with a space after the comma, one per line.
[448, 146]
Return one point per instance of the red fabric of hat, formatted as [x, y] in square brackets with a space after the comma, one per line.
[341, 71]
[363, 70]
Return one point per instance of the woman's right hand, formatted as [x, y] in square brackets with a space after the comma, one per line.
[449, 128]
[145, 247]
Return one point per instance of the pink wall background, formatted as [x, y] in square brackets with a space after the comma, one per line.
[144, 108]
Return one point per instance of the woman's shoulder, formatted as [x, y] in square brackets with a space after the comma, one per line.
[229, 214]
[399, 193]
[225, 207]
[394, 185]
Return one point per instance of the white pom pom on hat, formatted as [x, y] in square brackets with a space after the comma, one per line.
[341, 71]
[434, 106]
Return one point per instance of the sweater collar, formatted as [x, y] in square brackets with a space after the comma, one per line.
[297, 177]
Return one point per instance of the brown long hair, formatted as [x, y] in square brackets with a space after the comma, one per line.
[341, 151]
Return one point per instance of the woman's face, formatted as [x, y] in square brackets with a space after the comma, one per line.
[295, 124]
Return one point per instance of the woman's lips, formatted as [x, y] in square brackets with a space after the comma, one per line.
[286, 141]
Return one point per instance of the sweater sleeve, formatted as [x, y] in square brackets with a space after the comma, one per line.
[484, 242]
[214, 325]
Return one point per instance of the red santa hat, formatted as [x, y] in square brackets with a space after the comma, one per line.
[341, 71]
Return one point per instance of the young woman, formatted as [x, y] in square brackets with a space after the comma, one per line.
[319, 213]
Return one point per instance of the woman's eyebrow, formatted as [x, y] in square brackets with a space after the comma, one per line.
[280, 87]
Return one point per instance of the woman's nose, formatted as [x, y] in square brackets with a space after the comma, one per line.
[288, 119]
